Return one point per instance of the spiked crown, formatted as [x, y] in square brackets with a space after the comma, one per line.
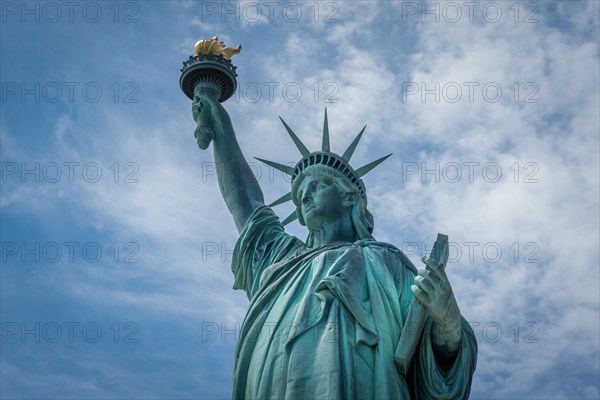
[325, 162]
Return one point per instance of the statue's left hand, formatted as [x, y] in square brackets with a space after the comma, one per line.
[432, 288]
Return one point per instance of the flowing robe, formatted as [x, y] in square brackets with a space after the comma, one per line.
[325, 323]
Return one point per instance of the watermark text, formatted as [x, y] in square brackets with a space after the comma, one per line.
[68, 172]
[68, 332]
[53, 12]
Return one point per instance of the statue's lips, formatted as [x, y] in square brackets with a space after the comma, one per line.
[308, 208]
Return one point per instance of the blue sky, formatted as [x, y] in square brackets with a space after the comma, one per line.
[116, 245]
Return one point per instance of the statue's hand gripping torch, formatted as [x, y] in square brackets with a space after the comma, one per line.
[204, 132]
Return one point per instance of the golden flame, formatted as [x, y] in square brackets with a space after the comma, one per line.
[213, 46]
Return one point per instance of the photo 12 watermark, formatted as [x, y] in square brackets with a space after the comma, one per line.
[69, 92]
[479, 252]
[289, 92]
[68, 332]
[263, 173]
[53, 12]
[69, 252]
[455, 92]
[254, 12]
[470, 172]
[518, 172]
[458, 252]
[486, 332]
[68, 172]
[453, 12]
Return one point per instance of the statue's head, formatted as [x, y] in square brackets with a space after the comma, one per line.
[325, 186]
[323, 195]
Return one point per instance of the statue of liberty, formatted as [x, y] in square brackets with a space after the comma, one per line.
[326, 315]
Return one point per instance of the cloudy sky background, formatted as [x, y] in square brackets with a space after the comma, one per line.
[119, 285]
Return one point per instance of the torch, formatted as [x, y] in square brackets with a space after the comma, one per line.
[208, 73]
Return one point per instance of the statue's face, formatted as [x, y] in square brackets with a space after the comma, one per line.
[320, 202]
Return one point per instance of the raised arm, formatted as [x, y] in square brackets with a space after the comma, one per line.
[238, 185]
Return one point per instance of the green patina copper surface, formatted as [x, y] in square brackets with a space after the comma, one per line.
[327, 317]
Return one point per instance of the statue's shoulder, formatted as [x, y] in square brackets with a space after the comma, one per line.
[392, 254]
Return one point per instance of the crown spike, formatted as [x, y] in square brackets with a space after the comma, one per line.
[325, 146]
[283, 199]
[283, 168]
[293, 216]
[303, 150]
[362, 171]
[350, 150]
